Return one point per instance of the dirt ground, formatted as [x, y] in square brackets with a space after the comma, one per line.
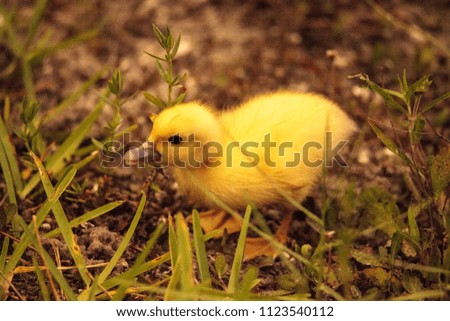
[231, 51]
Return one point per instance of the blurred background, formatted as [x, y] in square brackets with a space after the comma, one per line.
[231, 50]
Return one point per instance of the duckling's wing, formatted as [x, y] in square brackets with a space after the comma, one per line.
[286, 116]
[290, 131]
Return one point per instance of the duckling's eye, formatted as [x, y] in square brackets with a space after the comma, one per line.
[175, 139]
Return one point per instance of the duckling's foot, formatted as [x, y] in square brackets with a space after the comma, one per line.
[258, 246]
[213, 220]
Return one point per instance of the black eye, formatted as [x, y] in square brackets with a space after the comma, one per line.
[175, 139]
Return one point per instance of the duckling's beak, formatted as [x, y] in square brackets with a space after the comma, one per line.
[146, 151]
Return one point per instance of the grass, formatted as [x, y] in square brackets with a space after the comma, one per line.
[28, 50]
[412, 264]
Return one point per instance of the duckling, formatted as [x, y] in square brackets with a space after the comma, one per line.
[254, 154]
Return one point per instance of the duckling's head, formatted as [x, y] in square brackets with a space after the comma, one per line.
[180, 133]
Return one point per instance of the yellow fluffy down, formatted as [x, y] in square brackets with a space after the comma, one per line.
[253, 154]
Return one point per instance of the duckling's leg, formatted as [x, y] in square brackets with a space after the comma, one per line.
[213, 220]
[218, 219]
[258, 246]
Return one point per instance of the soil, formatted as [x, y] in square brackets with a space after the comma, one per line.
[231, 51]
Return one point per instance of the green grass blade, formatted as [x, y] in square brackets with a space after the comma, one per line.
[436, 102]
[173, 242]
[9, 28]
[125, 280]
[121, 291]
[82, 163]
[57, 161]
[87, 217]
[8, 164]
[93, 289]
[215, 294]
[172, 287]
[414, 232]
[4, 253]
[7, 175]
[332, 293]
[57, 274]
[249, 281]
[181, 258]
[233, 283]
[387, 96]
[95, 146]
[125, 241]
[35, 21]
[422, 295]
[300, 207]
[52, 113]
[136, 270]
[41, 53]
[27, 78]
[130, 274]
[40, 217]
[128, 278]
[10, 155]
[200, 250]
[422, 268]
[160, 228]
[184, 253]
[41, 280]
[61, 218]
[175, 254]
[389, 143]
[155, 100]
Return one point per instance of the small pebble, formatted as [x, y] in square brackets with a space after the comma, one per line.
[46, 227]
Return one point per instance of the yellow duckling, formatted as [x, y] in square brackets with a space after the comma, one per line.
[254, 154]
